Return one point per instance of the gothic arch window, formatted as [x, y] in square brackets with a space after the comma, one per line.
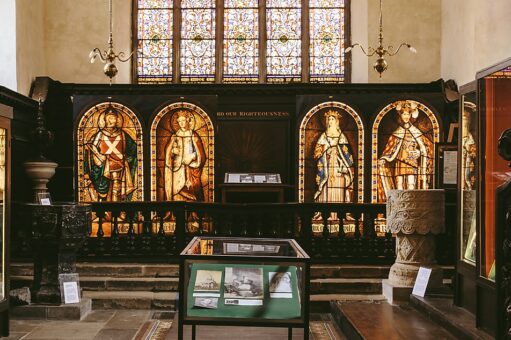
[331, 155]
[109, 154]
[182, 154]
[241, 41]
[404, 136]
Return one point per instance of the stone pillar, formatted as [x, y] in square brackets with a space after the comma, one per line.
[415, 217]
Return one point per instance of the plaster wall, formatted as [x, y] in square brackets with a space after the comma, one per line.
[30, 53]
[417, 22]
[359, 34]
[73, 28]
[475, 36]
[8, 44]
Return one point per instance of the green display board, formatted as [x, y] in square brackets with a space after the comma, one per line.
[272, 308]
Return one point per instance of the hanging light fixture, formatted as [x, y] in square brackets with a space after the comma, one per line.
[381, 64]
[108, 57]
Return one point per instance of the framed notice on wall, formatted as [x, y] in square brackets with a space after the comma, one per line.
[447, 165]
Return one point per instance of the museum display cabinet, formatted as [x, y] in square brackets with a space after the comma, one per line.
[467, 193]
[244, 282]
[5, 161]
[494, 108]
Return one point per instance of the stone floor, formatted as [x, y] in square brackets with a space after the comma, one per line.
[135, 324]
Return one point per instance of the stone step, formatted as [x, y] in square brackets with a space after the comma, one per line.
[132, 300]
[345, 286]
[167, 300]
[150, 284]
[317, 271]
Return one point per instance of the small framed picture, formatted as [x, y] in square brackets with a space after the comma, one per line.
[69, 288]
[447, 165]
[44, 198]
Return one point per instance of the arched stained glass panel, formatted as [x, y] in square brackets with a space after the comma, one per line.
[404, 136]
[241, 41]
[182, 154]
[155, 34]
[284, 34]
[109, 151]
[327, 39]
[198, 41]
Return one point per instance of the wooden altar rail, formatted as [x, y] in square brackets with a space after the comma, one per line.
[329, 232]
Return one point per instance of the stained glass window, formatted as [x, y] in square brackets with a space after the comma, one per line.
[182, 154]
[327, 39]
[283, 45]
[198, 40]
[331, 128]
[241, 41]
[404, 135]
[109, 153]
[155, 34]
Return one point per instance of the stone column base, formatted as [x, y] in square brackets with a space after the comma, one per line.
[72, 311]
[404, 274]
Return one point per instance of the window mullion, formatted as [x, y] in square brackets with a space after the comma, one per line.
[262, 41]
[305, 42]
[219, 41]
[176, 43]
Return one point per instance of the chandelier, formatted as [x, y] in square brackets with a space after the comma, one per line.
[381, 64]
[108, 57]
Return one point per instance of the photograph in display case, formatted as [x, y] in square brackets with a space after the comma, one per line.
[247, 248]
[243, 283]
[206, 302]
[280, 285]
[208, 281]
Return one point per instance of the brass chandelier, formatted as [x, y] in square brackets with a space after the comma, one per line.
[381, 64]
[108, 57]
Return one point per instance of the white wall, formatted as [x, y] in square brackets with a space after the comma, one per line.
[476, 35]
[359, 34]
[30, 43]
[8, 44]
[74, 28]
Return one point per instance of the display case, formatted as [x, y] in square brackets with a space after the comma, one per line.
[467, 196]
[494, 107]
[244, 282]
[5, 122]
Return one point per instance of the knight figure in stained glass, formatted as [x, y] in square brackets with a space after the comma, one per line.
[184, 160]
[334, 163]
[110, 160]
[407, 159]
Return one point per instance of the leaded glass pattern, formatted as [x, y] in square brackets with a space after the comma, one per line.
[241, 41]
[283, 26]
[327, 40]
[404, 136]
[155, 34]
[331, 128]
[182, 154]
[109, 154]
[198, 41]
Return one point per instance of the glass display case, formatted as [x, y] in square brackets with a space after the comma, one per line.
[468, 172]
[5, 117]
[244, 281]
[494, 114]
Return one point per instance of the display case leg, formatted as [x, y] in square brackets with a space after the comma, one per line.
[193, 332]
[290, 333]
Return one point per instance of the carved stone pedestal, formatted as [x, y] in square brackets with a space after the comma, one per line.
[415, 217]
[58, 231]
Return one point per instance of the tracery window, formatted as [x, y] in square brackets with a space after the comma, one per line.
[243, 41]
